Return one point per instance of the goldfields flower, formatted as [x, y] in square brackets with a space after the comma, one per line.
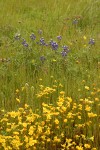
[26, 139]
[13, 114]
[39, 129]
[18, 100]
[56, 139]
[31, 130]
[84, 37]
[87, 88]
[83, 136]
[48, 140]
[16, 133]
[26, 106]
[69, 99]
[79, 148]
[87, 145]
[92, 138]
[79, 117]
[87, 108]
[68, 140]
[32, 142]
[56, 121]
[17, 90]
[96, 99]
[62, 92]
[92, 115]
[65, 120]
[24, 124]
[63, 108]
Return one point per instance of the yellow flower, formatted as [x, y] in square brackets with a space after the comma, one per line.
[83, 136]
[13, 114]
[26, 106]
[79, 148]
[4, 119]
[84, 37]
[63, 108]
[56, 139]
[31, 130]
[32, 142]
[43, 137]
[65, 120]
[68, 140]
[24, 124]
[91, 115]
[79, 117]
[69, 115]
[56, 121]
[60, 85]
[96, 99]
[39, 129]
[87, 146]
[62, 92]
[87, 88]
[92, 138]
[48, 140]
[69, 99]
[87, 108]
[16, 133]
[17, 91]
[26, 139]
[54, 60]
[18, 100]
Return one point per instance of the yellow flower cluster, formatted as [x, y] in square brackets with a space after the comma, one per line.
[45, 91]
[68, 124]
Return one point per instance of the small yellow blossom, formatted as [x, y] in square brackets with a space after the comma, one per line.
[17, 90]
[87, 146]
[18, 100]
[96, 99]
[56, 121]
[79, 148]
[92, 138]
[56, 139]
[92, 115]
[87, 108]
[79, 117]
[87, 88]
[54, 60]
[65, 120]
[84, 37]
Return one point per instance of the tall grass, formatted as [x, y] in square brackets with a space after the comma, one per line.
[25, 71]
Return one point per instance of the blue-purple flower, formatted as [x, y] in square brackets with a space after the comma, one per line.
[91, 42]
[63, 53]
[24, 43]
[32, 36]
[59, 37]
[54, 45]
[42, 42]
[65, 50]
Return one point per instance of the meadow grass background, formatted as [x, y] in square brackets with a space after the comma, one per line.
[23, 76]
[54, 18]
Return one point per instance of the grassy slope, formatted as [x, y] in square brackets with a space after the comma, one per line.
[54, 18]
